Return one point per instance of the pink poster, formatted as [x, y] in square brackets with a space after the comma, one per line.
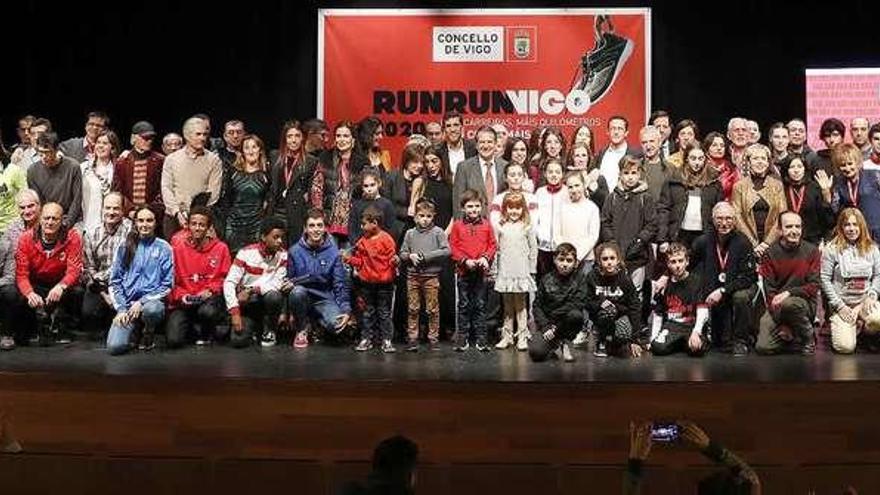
[841, 93]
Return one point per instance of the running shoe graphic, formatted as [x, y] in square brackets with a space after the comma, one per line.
[600, 66]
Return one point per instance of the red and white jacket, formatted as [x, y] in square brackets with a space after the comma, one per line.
[254, 267]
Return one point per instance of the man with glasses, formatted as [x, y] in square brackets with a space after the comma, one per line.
[57, 178]
[724, 258]
[83, 148]
[138, 175]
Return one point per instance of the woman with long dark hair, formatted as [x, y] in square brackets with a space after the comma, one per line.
[140, 279]
[718, 158]
[435, 183]
[290, 180]
[370, 133]
[245, 193]
[811, 199]
[398, 186]
[97, 177]
[686, 200]
[337, 179]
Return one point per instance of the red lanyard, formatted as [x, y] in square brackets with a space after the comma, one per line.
[288, 170]
[797, 200]
[853, 193]
[722, 257]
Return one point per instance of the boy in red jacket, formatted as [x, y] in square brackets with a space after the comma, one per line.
[472, 243]
[201, 263]
[375, 258]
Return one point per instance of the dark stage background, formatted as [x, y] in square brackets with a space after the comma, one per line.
[165, 60]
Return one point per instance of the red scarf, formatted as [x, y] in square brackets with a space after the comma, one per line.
[554, 189]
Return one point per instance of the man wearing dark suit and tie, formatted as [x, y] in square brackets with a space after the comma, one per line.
[483, 173]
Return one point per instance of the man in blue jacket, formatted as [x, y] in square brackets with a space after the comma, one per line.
[321, 288]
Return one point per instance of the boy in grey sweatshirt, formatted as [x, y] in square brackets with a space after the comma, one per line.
[422, 252]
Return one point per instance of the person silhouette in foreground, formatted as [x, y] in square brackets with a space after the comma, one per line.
[394, 469]
[736, 478]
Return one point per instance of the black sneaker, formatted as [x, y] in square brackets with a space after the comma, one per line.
[483, 347]
[740, 349]
[601, 65]
[601, 349]
[412, 347]
[434, 346]
[808, 349]
[462, 346]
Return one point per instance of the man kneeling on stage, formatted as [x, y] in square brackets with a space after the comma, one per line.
[200, 265]
[559, 306]
[681, 313]
[255, 286]
[791, 283]
[725, 260]
[48, 261]
[321, 285]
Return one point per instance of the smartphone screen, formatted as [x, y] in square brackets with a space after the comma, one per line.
[664, 432]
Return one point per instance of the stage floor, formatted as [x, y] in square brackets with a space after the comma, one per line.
[320, 362]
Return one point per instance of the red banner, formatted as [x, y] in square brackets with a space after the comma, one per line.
[522, 68]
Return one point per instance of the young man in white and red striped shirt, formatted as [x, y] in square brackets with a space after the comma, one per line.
[255, 286]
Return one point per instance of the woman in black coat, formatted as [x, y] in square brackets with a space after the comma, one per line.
[809, 197]
[290, 177]
[687, 198]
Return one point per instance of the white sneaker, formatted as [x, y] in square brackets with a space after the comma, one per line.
[522, 342]
[268, 339]
[566, 353]
[505, 342]
[580, 339]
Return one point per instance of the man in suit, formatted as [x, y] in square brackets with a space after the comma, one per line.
[483, 173]
[456, 148]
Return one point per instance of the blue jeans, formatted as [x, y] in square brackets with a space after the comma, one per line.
[152, 314]
[303, 305]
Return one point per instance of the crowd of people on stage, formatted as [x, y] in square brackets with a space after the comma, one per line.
[542, 244]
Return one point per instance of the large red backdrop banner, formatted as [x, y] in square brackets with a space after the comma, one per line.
[522, 68]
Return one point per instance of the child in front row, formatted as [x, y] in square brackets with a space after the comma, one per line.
[473, 248]
[613, 304]
[517, 265]
[559, 306]
[423, 252]
[375, 258]
[681, 314]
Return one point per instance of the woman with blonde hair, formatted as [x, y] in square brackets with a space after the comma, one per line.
[758, 199]
[851, 281]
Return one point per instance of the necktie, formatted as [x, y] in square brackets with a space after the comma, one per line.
[490, 182]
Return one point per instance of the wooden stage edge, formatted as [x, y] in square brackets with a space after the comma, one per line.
[165, 434]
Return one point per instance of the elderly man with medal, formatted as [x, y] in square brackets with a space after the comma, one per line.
[725, 260]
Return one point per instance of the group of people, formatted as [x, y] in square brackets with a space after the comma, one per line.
[682, 244]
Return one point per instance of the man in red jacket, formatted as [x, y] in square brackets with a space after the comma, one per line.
[200, 266]
[47, 263]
